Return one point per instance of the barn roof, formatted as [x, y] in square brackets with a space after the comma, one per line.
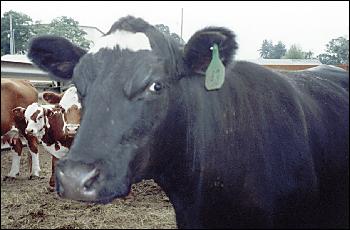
[16, 58]
[262, 61]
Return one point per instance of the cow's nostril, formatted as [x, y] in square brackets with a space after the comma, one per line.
[76, 180]
[90, 179]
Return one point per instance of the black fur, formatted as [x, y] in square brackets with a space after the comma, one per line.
[197, 52]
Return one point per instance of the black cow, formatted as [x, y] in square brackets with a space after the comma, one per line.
[267, 149]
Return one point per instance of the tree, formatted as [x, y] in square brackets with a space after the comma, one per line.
[64, 27]
[337, 52]
[270, 51]
[309, 55]
[266, 49]
[278, 50]
[22, 26]
[294, 52]
[165, 30]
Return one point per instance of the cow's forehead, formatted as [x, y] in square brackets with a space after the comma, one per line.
[31, 109]
[124, 39]
[70, 98]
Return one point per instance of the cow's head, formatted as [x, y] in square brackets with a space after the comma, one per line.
[130, 86]
[70, 106]
[39, 118]
[34, 116]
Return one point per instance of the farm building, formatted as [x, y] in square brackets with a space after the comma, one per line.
[19, 66]
[291, 64]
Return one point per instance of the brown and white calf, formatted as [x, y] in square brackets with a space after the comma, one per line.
[55, 125]
[14, 93]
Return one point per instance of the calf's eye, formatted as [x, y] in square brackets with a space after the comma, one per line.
[155, 87]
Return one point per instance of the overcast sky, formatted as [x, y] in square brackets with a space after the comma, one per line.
[309, 24]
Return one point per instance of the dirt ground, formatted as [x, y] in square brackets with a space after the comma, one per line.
[28, 203]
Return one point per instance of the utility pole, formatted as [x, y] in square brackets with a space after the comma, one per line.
[182, 16]
[12, 39]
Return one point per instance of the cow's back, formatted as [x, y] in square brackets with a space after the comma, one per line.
[277, 141]
[14, 93]
[324, 96]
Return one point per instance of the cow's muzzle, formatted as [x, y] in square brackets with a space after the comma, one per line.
[30, 131]
[77, 183]
[71, 129]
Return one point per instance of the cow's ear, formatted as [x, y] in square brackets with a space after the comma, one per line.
[55, 55]
[51, 97]
[198, 54]
[18, 112]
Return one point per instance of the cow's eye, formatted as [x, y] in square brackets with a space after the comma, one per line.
[155, 87]
[40, 117]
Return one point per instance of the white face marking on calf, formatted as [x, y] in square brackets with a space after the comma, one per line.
[70, 98]
[61, 152]
[36, 126]
[123, 39]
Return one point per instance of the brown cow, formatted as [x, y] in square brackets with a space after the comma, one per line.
[14, 93]
[68, 101]
[54, 125]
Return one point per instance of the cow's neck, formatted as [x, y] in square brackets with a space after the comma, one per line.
[173, 145]
[185, 145]
[54, 132]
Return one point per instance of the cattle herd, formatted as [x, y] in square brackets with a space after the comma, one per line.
[265, 149]
[23, 118]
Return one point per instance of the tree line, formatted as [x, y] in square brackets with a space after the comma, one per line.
[337, 51]
[25, 29]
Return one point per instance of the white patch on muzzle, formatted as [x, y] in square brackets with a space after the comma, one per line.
[123, 39]
[72, 128]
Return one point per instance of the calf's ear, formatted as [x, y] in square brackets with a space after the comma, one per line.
[198, 54]
[18, 112]
[55, 55]
[52, 98]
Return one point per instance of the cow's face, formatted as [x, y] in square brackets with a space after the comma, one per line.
[126, 84]
[72, 111]
[35, 117]
[70, 107]
[72, 120]
[124, 103]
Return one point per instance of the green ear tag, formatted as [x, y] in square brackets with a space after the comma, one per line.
[215, 74]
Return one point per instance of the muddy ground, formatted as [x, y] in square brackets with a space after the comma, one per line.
[28, 203]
